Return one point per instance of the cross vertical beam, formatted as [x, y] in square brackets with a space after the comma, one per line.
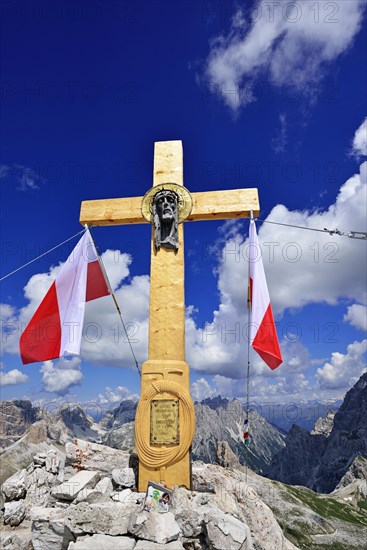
[166, 348]
[167, 300]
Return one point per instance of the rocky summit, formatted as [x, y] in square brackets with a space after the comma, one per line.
[85, 498]
[64, 488]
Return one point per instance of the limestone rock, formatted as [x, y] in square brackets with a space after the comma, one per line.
[91, 495]
[126, 495]
[357, 470]
[104, 486]
[19, 539]
[52, 462]
[190, 510]
[103, 542]
[49, 530]
[14, 512]
[225, 532]
[15, 486]
[83, 495]
[84, 455]
[160, 528]
[42, 475]
[39, 459]
[324, 425]
[109, 518]
[70, 489]
[124, 477]
[146, 545]
[238, 496]
[100, 493]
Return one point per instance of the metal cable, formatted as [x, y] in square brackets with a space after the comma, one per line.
[41, 255]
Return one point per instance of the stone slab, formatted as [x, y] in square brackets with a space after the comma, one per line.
[108, 518]
[155, 527]
[14, 512]
[124, 477]
[85, 455]
[147, 545]
[48, 529]
[103, 542]
[71, 488]
[15, 486]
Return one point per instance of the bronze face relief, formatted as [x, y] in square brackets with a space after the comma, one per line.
[165, 219]
[165, 206]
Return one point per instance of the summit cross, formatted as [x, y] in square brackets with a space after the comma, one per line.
[165, 418]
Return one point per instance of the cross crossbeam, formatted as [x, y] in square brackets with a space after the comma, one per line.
[208, 205]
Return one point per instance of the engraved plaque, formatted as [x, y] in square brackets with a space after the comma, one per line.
[164, 422]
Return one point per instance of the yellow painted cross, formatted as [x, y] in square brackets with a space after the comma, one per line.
[165, 375]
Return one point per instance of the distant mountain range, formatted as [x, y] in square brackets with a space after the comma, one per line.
[319, 460]
[216, 420]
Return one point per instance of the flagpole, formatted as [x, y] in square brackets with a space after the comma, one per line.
[248, 350]
[113, 296]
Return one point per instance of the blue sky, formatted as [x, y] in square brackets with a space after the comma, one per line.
[262, 94]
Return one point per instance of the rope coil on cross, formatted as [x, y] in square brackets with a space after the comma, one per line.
[160, 457]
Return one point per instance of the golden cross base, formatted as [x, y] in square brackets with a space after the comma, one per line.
[164, 463]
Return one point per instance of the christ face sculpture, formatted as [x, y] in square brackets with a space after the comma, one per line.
[165, 217]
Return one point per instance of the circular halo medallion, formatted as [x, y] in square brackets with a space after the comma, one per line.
[184, 200]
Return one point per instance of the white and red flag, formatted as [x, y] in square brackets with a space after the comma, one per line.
[263, 334]
[56, 327]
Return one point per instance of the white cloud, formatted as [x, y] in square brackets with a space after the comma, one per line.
[302, 267]
[201, 389]
[25, 176]
[290, 43]
[360, 140]
[12, 377]
[113, 397]
[344, 370]
[357, 316]
[58, 377]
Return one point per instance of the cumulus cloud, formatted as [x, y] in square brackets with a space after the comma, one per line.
[113, 397]
[288, 43]
[302, 267]
[357, 316]
[12, 377]
[201, 389]
[344, 370]
[58, 377]
[360, 140]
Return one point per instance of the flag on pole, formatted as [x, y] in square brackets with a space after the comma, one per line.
[56, 327]
[263, 334]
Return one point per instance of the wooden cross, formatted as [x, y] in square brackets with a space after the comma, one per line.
[165, 375]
